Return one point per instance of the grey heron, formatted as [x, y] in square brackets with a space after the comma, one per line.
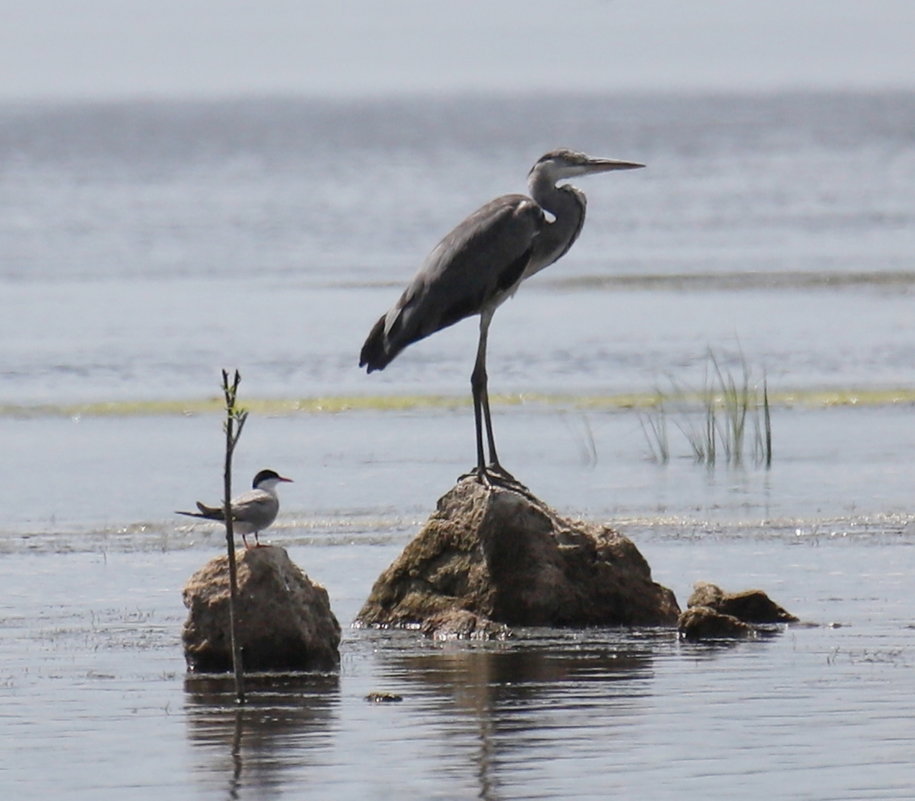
[252, 511]
[479, 265]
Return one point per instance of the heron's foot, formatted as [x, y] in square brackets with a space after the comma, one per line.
[480, 474]
[500, 477]
[494, 475]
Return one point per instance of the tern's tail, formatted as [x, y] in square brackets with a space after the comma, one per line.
[208, 512]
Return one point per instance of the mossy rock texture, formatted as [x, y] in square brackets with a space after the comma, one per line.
[750, 606]
[285, 622]
[714, 614]
[507, 557]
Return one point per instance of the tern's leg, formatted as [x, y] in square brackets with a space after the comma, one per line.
[244, 541]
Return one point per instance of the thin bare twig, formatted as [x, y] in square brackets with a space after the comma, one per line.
[235, 422]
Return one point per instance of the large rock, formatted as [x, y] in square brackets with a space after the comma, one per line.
[284, 619]
[507, 557]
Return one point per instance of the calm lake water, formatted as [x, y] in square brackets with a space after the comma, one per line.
[147, 245]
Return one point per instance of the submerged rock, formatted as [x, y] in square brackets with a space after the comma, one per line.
[750, 606]
[713, 613]
[284, 619]
[704, 623]
[383, 698]
[459, 624]
[506, 557]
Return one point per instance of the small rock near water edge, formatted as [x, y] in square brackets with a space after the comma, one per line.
[285, 622]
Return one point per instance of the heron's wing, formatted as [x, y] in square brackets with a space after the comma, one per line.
[476, 264]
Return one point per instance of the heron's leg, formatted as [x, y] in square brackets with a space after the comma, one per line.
[493, 473]
[478, 381]
[487, 419]
[485, 320]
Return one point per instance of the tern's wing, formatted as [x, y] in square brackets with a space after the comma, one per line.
[210, 512]
[256, 507]
[188, 514]
[207, 512]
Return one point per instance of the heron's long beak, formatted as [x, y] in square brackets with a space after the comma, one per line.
[605, 165]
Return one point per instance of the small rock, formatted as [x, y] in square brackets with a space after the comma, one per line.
[383, 698]
[750, 606]
[459, 624]
[506, 557]
[704, 623]
[284, 619]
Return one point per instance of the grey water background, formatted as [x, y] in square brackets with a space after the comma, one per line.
[145, 245]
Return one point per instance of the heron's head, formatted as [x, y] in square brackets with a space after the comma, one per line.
[268, 479]
[560, 164]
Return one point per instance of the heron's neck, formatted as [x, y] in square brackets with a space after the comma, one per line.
[567, 205]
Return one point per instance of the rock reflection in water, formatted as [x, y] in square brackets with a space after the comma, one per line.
[536, 688]
[285, 718]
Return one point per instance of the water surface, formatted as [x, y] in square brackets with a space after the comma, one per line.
[148, 245]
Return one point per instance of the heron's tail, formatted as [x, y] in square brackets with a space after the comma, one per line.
[375, 353]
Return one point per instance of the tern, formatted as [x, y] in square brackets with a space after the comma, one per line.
[252, 511]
